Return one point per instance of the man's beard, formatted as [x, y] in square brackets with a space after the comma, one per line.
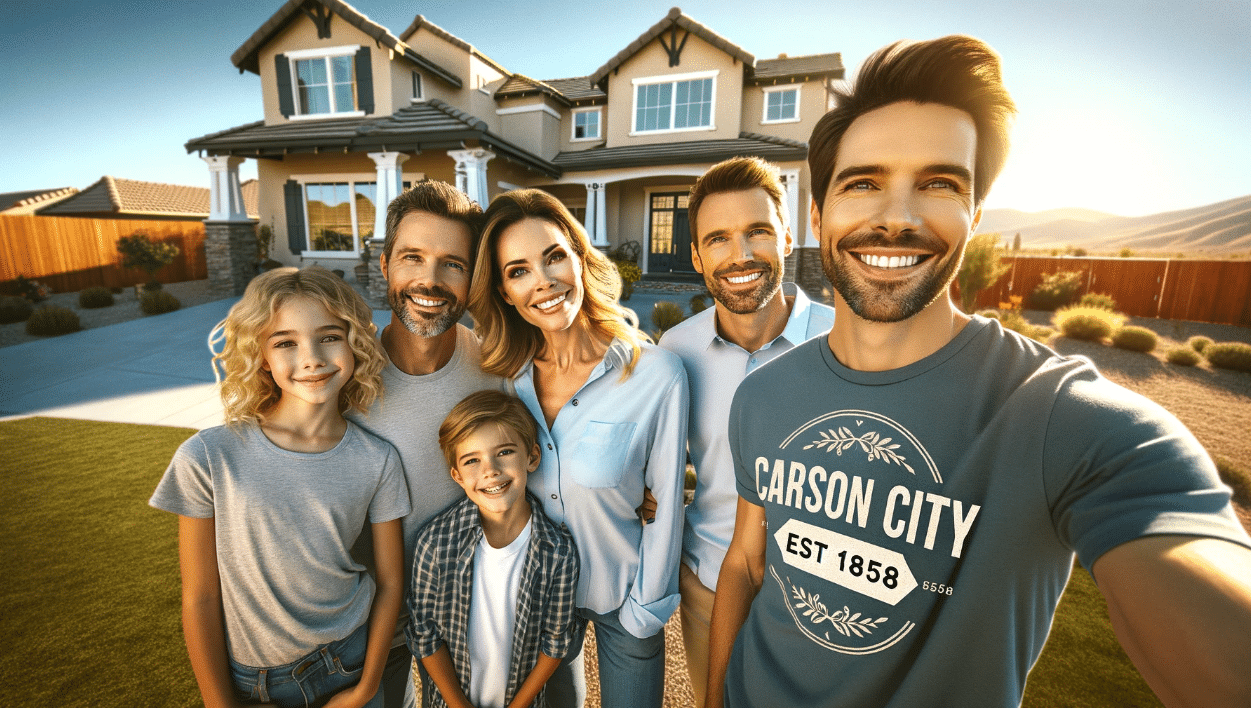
[894, 301]
[752, 301]
[420, 323]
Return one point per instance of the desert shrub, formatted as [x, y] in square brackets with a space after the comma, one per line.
[666, 314]
[698, 303]
[95, 297]
[980, 269]
[158, 302]
[14, 309]
[1127, 253]
[1135, 339]
[1238, 478]
[139, 251]
[630, 274]
[117, 290]
[1056, 290]
[1099, 300]
[32, 290]
[1183, 356]
[1015, 321]
[1229, 355]
[992, 314]
[52, 320]
[1090, 323]
[1198, 343]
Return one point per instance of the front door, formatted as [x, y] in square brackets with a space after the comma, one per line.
[670, 234]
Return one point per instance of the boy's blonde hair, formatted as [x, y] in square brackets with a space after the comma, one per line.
[248, 391]
[479, 409]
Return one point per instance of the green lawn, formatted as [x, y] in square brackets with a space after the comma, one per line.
[90, 607]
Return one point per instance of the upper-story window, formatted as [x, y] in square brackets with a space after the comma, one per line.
[672, 103]
[586, 124]
[417, 95]
[781, 104]
[325, 81]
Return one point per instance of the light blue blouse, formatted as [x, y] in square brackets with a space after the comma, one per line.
[612, 439]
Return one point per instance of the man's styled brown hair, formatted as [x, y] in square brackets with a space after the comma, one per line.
[483, 408]
[736, 174]
[440, 199]
[956, 71]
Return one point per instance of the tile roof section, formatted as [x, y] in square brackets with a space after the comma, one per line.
[675, 17]
[120, 198]
[578, 88]
[246, 56]
[519, 86]
[420, 22]
[26, 202]
[429, 125]
[790, 67]
[698, 151]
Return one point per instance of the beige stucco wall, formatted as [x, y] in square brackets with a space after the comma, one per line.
[301, 33]
[653, 61]
[812, 100]
[535, 129]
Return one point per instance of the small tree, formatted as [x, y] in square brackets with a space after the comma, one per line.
[139, 251]
[1016, 243]
[980, 269]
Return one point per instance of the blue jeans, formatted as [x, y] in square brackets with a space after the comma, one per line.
[397, 679]
[631, 670]
[309, 681]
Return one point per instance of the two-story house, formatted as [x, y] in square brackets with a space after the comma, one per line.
[353, 113]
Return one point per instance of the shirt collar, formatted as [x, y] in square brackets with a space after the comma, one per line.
[795, 331]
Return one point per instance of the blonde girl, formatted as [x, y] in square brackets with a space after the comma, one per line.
[613, 409]
[275, 610]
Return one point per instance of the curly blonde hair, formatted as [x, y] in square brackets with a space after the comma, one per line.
[248, 391]
[508, 341]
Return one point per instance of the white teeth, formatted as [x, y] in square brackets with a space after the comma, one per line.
[425, 302]
[740, 279]
[494, 490]
[890, 261]
[551, 303]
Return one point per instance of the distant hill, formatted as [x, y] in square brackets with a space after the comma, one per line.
[1216, 229]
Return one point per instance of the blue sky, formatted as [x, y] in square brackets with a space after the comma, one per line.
[1126, 107]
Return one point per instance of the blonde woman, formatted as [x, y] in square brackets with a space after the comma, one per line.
[275, 610]
[613, 410]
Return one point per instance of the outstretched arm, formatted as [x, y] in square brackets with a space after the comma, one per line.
[742, 573]
[529, 689]
[1181, 608]
[439, 666]
[203, 621]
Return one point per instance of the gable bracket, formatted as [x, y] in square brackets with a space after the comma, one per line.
[320, 15]
[672, 47]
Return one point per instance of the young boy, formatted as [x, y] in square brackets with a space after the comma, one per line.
[492, 598]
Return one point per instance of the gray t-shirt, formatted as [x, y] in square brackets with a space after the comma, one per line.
[408, 416]
[285, 522]
[922, 521]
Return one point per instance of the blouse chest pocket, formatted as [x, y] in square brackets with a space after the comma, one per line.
[601, 454]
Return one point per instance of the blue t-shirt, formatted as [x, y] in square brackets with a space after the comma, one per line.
[922, 521]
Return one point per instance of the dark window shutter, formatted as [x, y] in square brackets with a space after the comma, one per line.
[364, 82]
[282, 70]
[294, 194]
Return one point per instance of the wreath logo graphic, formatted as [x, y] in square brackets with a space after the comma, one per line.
[843, 620]
[876, 446]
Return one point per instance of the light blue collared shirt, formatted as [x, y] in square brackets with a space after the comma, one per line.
[612, 439]
[715, 368]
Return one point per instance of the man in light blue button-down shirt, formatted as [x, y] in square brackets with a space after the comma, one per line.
[739, 237]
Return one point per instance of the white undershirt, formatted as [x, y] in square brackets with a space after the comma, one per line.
[492, 617]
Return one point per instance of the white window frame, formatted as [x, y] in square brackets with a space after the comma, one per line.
[419, 87]
[321, 53]
[674, 79]
[599, 124]
[764, 108]
[351, 179]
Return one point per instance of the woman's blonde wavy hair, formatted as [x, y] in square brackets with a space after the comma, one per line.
[508, 341]
[248, 391]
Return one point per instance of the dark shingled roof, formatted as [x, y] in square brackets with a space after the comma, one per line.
[698, 151]
[246, 57]
[429, 125]
[578, 88]
[111, 197]
[675, 17]
[792, 67]
[420, 22]
[519, 86]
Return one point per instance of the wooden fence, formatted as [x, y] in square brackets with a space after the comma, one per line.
[69, 254]
[1195, 290]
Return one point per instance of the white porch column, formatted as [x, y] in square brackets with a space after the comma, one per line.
[390, 183]
[225, 196]
[790, 181]
[596, 222]
[471, 177]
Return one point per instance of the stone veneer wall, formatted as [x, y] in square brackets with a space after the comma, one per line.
[810, 275]
[230, 254]
[377, 284]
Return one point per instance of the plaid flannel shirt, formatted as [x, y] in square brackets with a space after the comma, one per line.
[442, 587]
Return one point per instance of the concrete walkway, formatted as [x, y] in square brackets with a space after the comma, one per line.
[152, 370]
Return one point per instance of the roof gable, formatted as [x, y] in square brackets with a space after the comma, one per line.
[120, 198]
[675, 18]
[419, 22]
